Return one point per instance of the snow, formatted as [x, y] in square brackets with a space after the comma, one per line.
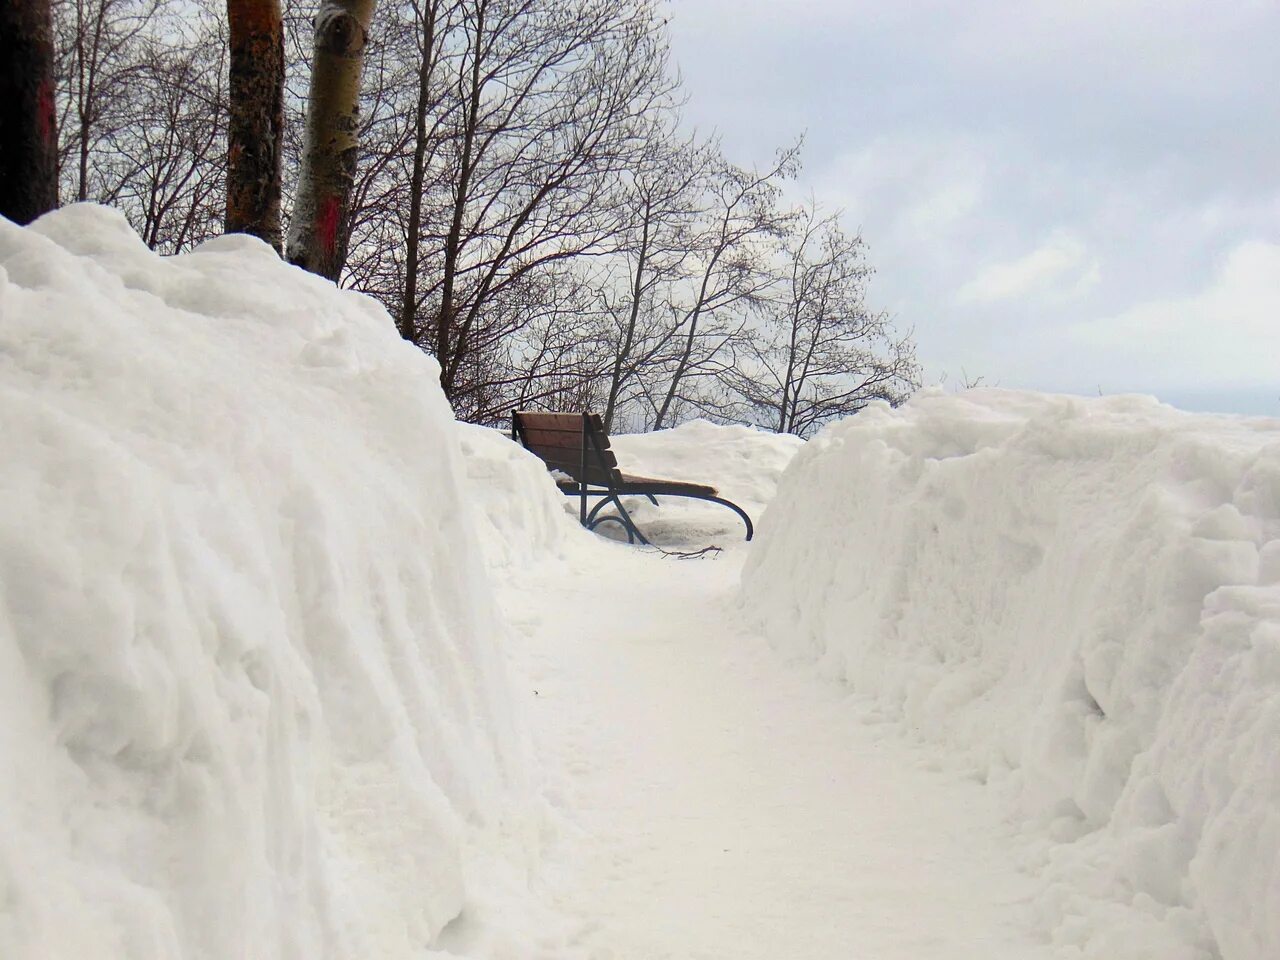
[292, 665]
[253, 700]
[708, 800]
[520, 512]
[742, 463]
[720, 804]
[1081, 597]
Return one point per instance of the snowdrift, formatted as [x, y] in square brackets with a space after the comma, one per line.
[743, 463]
[523, 517]
[251, 696]
[1083, 597]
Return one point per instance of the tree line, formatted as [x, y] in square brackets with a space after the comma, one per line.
[510, 178]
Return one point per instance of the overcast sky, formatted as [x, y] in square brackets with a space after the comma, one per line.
[1070, 195]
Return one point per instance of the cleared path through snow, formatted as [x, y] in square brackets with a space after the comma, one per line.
[725, 804]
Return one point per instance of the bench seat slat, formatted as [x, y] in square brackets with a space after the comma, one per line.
[642, 485]
[655, 485]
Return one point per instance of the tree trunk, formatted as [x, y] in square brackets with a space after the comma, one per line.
[633, 315]
[256, 125]
[28, 127]
[413, 231]
[682, 365]
[319, 230]
[694, 316]
[453, 242]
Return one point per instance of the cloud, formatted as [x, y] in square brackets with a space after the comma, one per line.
[1061, 265]
[1054, 196]
[1225, 335]
[912, 182]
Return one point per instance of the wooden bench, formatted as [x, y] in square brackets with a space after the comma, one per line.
[576, 446]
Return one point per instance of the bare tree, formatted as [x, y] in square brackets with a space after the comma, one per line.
[671, 303]
[505, 177]
[175, 188]
[662, 197]
[103, 49]
[256, 118]
[555, 101]
[141, 100]
[821, 353]
[432, 21]
[319, 226]
[165, 164]
[496, 138]
[742, 218]
[28, 119]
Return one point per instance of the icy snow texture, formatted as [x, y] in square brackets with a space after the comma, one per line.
[1083, 596]
[251, 703]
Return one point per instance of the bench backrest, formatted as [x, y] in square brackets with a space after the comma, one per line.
[558, 438]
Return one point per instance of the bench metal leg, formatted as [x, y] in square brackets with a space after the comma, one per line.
[751, 530]
[732, 506]
[592, 518]
[623, 517]
[613, 517]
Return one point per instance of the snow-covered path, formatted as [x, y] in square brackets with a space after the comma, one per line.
[725, 804]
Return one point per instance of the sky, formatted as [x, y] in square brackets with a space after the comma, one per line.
[1075, 196]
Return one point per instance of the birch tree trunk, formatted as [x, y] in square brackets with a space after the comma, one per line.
[319, 229]
[256, 124]
[28, 125]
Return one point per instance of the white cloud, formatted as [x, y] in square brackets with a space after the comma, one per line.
[912, 183]
[1061, 265]
[1227, 335]
[1020, 171]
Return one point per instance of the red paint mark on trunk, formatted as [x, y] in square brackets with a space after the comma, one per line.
[46, 125]
[328, 213]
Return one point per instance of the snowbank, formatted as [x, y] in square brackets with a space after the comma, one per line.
[521, 512]
[1082, 596]
[743, 463]
[251, 698]
[525, 519]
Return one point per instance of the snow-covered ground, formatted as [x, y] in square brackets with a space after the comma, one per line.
[253, 700]
[744, 464]
[710, 799]
[1081, 598]
[293, 666]
[721, 804]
